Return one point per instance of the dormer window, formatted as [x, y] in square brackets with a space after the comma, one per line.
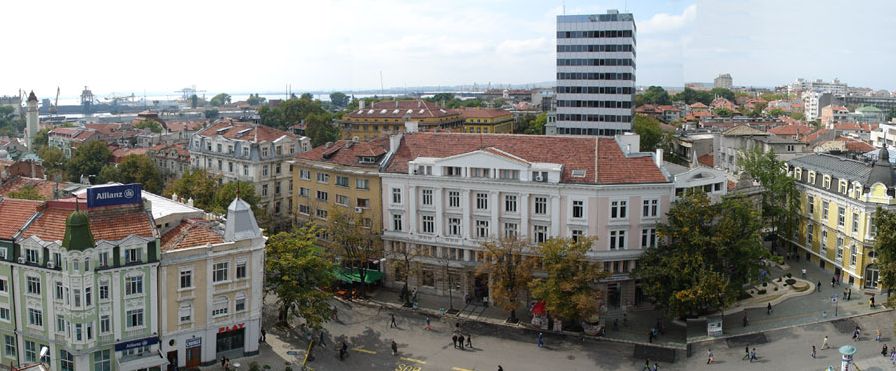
[841, 186]
[509, 174]
[578, 173]
[540, 176]
[826, 182]
[798, 173]
[423, 170]
[32, 256]
[366, 160]
[452, 171]
[811, 178]
[479, 172]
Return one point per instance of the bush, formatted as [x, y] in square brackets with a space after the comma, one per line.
[266, 367]
[287, 368]
[790, 281]
[762, 292]
[254, 366]
[789, 275]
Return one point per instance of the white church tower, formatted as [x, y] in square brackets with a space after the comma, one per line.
[32, 122]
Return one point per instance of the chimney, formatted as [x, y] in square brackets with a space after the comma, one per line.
[411, 126]
[394, 142]
[658, 158]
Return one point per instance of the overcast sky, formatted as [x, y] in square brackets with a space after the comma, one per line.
[243, 46]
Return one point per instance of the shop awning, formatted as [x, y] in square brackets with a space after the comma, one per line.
[350, 275]
[141, 361]
[538, 309]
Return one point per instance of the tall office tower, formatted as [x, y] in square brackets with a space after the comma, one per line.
[595, 74]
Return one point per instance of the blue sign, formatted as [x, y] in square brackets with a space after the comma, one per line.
[194, 342]
[136, 343]
[114, 195]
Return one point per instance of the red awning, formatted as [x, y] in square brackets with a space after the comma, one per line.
[538, 308]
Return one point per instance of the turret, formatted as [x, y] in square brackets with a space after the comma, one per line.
[32, 121]
[77, 232]
[240, 224]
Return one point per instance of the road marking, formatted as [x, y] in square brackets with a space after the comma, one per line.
[404, 367]
[460, 369]
[413, 360]
[362, 350]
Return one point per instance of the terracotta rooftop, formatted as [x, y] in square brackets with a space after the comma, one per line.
[707, 159]
[601, 158]
[482, 113]
[118, 154]
[15, 214]
[244, 131]
[856, 146]
[791, 130]
[176, 126]
[400, 109]
[111, 223]
[347, 153]
[698, 105]
[43, 187]
[191, 233]
[814, 136]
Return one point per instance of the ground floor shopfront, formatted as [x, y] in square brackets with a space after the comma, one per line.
[207, 346]
[854, 266]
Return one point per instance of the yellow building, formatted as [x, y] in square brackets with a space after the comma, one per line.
[487, 120]
[391, 117]
[839, 197]
[343, 176]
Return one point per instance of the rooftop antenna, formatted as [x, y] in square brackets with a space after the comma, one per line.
[564, 7]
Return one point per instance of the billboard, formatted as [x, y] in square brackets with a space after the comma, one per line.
[114, 195]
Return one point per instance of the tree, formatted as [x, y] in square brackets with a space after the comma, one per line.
[724, 112]
[757, 109]
[41, 139]
[570, 290]
[10, 125]
[53, 160]
[653, 95]
[707, 252]
[339, 99]
[153, 125]
[306, 96]
[134, 169]
[531, 124]
[291, 112]
[211, 114]
[891, 114]
[354, 241]
[690, 96]
[776, 112]
[196, 184]
[319, 129]
[88, 160]
[650, 131]
[442, 97]
[220, 100]
[26, 192]
[300, 274]
[797, 116]
[885, 247]
[780, 201]
[255, 99]
[227, 192]
[722, 92]
[510, 270]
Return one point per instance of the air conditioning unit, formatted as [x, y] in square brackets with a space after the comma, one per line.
[21, 260]
[539, 178]
[359, 210]
[51, 265]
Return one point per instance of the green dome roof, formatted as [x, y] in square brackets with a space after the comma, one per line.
[77, 232]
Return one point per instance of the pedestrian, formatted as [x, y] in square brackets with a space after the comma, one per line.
[803, 271]
[469, 341]
[824, 345]
[624, 319]
[813, 351]
[883, 351]
[394, 348]
[849, 294]
[428, 324]
[709, 356]
[500, 368]
[467, 298]
[460, 341]
[833, 281]
[746, 353]
[223, 360]
[768, 309]
[818, 286]
[893, 355]
[745, 319]
[871, 301]
[650, 336]
[321, 341]
[414, 295]
[342, 350]
[263, 336]
[540, 340]
[392, 322]
[855, 334]
[844, 293]
[753, 356]
[656, 367]
[877, 334]
[454, 340]
[616, 324]
[646, 365]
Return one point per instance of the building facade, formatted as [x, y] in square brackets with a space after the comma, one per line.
[445, 194]
[838, 199]
[723, 81]
[487, 120]
[249, 152]
[390, 117]
[742, 138]
[595, 74]
[172, 159]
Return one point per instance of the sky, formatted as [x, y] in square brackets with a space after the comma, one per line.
[160, 46]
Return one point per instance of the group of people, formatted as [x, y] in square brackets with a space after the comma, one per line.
[460, 340]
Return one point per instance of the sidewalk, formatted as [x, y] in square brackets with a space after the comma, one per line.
[802, 310]
[639, 322]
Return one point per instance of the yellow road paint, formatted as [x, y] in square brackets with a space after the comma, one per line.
[404, 367]
[413, 360]
[362, 350]
[460, 369]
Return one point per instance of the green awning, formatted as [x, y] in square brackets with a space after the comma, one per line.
[350, 275]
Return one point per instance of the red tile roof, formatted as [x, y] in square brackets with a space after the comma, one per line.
[400, 109]
[191, 233]
[601, 158]
[177, 126]
[106, 223]
[264, 133]
[15, 214]
[791, 130]
[707, 159]
[43, 187]
[346, 152]
[698, 105]
[118, 154]
[813, 136]
[482, 113]
[856, 146]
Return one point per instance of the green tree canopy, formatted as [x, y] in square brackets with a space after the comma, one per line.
[41, 139]
[531, 124]
[510, 270]
[54, 161]
[885, 246]
[707, 252]
[290, 112]
[255, 99]
[353, 240]
[319, 127]
[724, 112]
[88, 160]
[220, 100]
[653, 95]
[196, 184]
[10, 125]
[26, 192]
[339, 99]
[570, 290]
[650, 131]
[780, 201]
[134, 169]
[153, 125]
[722, 92]
[300, 274]
[226, 193]
[211, 114]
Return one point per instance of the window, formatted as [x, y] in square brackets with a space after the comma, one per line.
[35, 317]
[240, 303]
[428, 224]
[305, 174]
[323, 196]
[576, 234]
[841, 186]
[510, 203]
[811, 177]
[361, 183]
[363, 203]
[452, 171]
[4, 287]
[186, 279]
[478, 172]
[824, 210]
[304, 209]
[185, 313]
[839, 249]
[60, 324]
[454, 226]
[76, 293]
[855, 222]
[826, 182]
[482, 228]
[4, 314]
[323, 177]
[427, 197]
[264, 151]
[396, 222]
[104, 291]
[618, 209]
[219, 147]
[30, 351]
[88, 296]
[396, 195]
[132, 255]
[342, 181]
[482, 201]
[650, 209]
[824, 240]
[578, 209]
[220, 272]
[10, 342]
[541, 205]
[509, 174]
[264, 190]
[32, 255]
[133, 285]
[79, 328]
[240, 269]
[342, 200]
[540, 176]
[453, 199]
[57, 259]
[66, 360]
[617, 239]
[33, 285]
[841, 216]
[648, 238]
[101, 360]
[810, 234]
[853, 252]
[304, 192]
[423, 170]
[135, 318]
[541, 233]
[811, 203]
[246, 170]
[220, 308]
[105, 324]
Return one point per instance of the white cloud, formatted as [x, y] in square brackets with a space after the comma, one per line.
[663, 22]
[528, 46]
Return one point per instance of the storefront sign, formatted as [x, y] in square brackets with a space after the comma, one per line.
[194, 342]
[136, 343]
[231, 328]
[114, 195]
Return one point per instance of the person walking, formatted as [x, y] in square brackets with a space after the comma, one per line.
[454, 340]
[646, 365]
[849, 294]
[428, 324]
[394, 348]
[656, 367]
[746, 353]
[540, 340]
[460, 341]
[746, 321]
[335, 314]
[818, 286]
[469, 341]
[263, 335]
[893, 355]
[877, 334]
[710, 358]
[392, 322]
[321, 339]
[650, 336]
[883, 351]
[813, 351]
[342, 350]
[803, 271]
[871, 301]
[824, 345]
[768, 309]
[753, 356]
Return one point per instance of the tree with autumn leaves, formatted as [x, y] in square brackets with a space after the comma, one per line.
[299, 273]
[570, 289]
[509, 264]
